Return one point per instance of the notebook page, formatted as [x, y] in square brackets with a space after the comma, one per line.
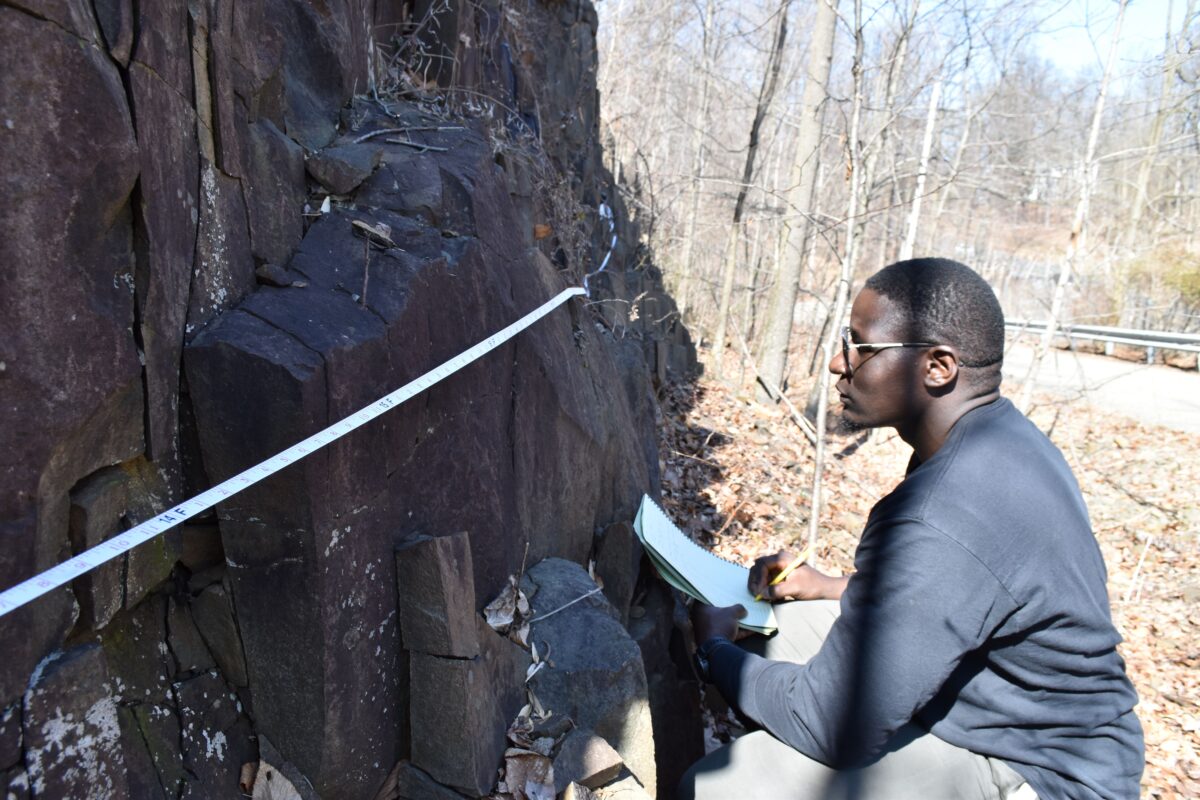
[716, 581]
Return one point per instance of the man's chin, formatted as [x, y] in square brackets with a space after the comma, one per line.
[846, 425]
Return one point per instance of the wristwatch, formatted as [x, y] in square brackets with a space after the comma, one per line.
[701, 657]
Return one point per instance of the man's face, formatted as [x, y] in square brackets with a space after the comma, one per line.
[886, 388]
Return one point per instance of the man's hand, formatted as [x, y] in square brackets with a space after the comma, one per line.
[709, 622]
[805, 583]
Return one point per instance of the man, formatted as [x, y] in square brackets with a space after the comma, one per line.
[971, 654]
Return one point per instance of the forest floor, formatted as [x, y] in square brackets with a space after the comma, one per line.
[737, 477]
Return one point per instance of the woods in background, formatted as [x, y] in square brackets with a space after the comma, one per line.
[898, 129]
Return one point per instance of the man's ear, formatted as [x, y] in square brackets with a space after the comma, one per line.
[941, 367]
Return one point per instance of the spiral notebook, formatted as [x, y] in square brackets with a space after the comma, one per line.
[697, 572]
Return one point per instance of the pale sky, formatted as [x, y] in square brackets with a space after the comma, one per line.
[1067, 42]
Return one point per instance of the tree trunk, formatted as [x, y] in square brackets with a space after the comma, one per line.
[700, 126]
[842, 293]
[955, 167]
[778, 325]
[1171, 59]
[1078, 227]
[765, 95]
[914, 216]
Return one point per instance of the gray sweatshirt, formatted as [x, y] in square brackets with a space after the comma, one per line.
[978, 608]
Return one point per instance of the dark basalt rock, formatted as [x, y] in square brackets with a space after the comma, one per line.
[10, 736]
[341, 169]
[594, 672]
[71, 733]
[463, 707]
[165, 238]
[212, 611]
[435, 583]
[224, 267]
[71, 378]
[136, 650]
[187, 646]
[97, 505]
[215, 737]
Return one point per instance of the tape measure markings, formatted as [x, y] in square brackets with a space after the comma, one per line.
[61, 574]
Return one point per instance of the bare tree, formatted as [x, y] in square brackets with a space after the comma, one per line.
[1079, 226]
[773, 361]
[914, 215]
[765, 95]
[708, 48]
[1173, 56]
[846, 273]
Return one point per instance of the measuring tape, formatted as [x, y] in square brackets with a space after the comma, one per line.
[88, 560]
[605, 214]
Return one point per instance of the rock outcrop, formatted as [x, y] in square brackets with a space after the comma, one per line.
[227, 227]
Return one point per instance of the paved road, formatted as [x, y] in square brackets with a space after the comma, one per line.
[1154, 394]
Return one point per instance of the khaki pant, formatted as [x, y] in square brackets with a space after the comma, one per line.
[916, 765]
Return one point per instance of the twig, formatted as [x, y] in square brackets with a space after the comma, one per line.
[379, 132]
[801, 421]
[366, 268]
[696, 458]
[420, 148]
[524, 558]
[1137, 498]
[1133, 581]
[567, 605]
[732, 515]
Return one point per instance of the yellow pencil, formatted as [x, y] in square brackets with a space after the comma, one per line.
[788, 570]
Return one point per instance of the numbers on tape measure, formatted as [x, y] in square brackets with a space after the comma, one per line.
[62, 573]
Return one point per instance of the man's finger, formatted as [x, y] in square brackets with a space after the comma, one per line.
[739, 611]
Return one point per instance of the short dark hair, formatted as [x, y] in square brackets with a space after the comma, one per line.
[945, 302]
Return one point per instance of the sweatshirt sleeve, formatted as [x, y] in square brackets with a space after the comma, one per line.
[917, 605]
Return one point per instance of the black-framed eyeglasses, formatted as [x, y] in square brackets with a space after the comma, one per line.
[869, 347]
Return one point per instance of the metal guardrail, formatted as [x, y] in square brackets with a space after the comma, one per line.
[1151, 340]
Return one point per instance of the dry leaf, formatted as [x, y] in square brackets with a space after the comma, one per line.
[529, 775]
[379, 233]
[270, 784]
[246, 779]
[501, 612]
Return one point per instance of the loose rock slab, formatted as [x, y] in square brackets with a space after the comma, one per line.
[436, 583]
[585, 758]
[594, 672]
[462, 707]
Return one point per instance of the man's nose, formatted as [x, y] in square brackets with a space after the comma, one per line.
[837, 364]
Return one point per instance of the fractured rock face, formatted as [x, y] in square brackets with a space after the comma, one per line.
[532, 429]
[212, 611]
[71, 378]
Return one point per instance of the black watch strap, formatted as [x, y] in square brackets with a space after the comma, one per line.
[703, 654]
